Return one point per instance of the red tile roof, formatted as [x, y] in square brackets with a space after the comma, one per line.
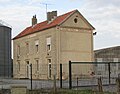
[44, 25]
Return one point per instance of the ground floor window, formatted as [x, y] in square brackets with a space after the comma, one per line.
[49, 68]
[28, 69]
[18, 66]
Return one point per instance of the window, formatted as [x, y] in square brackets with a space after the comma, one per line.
[27, 47]
[49, 44]
[36, 45]
[18, 50]
[75, 20]
[18, 66]
[28, 68]
[49, 68]
[37, 64]
[49, 47]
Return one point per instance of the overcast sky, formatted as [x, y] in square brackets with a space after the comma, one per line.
[104, 15]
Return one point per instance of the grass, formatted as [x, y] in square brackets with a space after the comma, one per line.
[66, 91]
[75, 92]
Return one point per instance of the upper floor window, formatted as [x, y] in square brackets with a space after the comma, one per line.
[27, 47]
[49, 44]
[37, 45]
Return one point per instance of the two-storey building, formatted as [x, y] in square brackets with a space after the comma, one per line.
[50, 43]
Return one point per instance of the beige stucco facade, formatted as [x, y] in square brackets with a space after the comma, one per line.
[70, 41]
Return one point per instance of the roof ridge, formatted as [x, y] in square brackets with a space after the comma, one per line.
[67, 13]
[56, 17]
[61, 15]
[44, 25]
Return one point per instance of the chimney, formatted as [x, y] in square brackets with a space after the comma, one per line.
[51, 15]
[34, 20]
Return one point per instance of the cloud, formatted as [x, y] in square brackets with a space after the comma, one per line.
[19, 17]
[105, 17]
[40, 1]
[18, 14]
[4, 1]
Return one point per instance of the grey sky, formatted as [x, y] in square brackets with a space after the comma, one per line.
[104, 15]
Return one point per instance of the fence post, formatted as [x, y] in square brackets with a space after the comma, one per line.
[31, 75]
[54, 84]
[118, 85]
[109, 72]
[100, 89]
[70, 75]
[60, 75]
[77, 82]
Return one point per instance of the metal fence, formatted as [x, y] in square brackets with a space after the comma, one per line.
[87, 75]
[70, 75]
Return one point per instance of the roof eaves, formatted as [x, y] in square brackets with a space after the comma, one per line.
[87, 21]
[33, 32]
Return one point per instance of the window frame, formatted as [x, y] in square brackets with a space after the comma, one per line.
[48, 42]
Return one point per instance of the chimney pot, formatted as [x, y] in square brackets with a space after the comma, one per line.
[34, 20]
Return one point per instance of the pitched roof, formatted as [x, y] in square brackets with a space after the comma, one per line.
[45, 25]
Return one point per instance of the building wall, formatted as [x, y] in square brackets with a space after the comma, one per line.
[41, 55]
[69, 41]
[76, 46]
[81, 22]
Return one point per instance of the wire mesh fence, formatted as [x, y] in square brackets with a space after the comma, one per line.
[83, 75]
[86, 74]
